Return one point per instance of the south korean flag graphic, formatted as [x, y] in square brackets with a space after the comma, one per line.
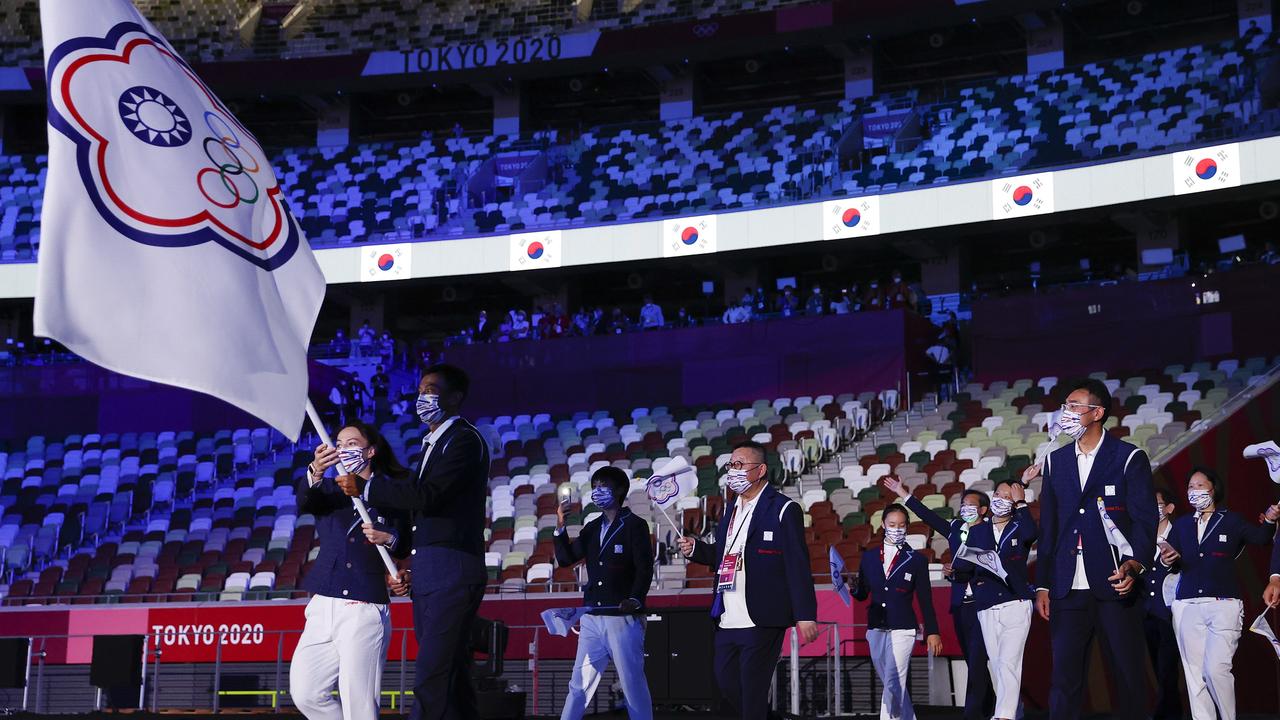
[1022, 196]
[854, 217]
[1208, 168]
[531, 251]
[386, 262]
[689, 236]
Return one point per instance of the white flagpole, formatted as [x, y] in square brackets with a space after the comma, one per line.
[674, 526]
[359, 503]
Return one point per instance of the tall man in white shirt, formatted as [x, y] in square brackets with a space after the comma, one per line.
[1086, 586]
[761, 534]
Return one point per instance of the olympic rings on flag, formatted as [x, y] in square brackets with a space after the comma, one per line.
[227, 164]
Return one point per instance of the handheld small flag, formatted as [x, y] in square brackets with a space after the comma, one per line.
[676, 479]
[1263, 628]
[1114, 536]
[988, 560]
[559, 621]
[837, 576]
[1268, 451]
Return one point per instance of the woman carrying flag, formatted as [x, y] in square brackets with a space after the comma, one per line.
[1208, 611]
[348, 626]
[1002, 593]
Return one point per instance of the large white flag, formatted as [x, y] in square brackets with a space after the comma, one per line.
[168, 251]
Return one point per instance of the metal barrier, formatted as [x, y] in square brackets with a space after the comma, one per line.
[825, 672]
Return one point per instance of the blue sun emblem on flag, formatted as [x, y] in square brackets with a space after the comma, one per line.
[154, 118]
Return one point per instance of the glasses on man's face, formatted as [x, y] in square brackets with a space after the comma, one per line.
[1079, 407]
[739, 465]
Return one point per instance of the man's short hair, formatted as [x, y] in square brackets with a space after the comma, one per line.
[1010, 483]
[761, 450]
[1165, 496]
[895, 508]
[1098, 394]
[455, 377]
[983, 499]
[615, 478]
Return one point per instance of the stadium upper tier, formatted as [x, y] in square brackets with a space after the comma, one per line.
[207, 30]
[429, 189]
[174, 516]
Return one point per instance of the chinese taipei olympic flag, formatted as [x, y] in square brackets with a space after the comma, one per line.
[168, 250]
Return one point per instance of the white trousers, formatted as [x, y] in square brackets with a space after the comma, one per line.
[343, 644]
[891, 656]
[601, 638]
[1208, 631]
[1004, 632]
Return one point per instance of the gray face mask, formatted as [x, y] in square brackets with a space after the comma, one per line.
[894, 536]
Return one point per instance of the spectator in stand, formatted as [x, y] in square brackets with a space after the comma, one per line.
[598, 324]
[736, 314]
[340, 345]
[898, 294]
[582, 322]
[366, 335]
[387, 349]
[651, 315]
[684, 319]
[339, 396]
[840, 303]
[855, 298]
[519, 325]
[555, 323]
[380, 383]
[816, 302]
[748, 297]
[1269, 254]
[618, 323]
[535, 321]
[761, 304]
[788, 303]
[357, 400]
[874, 298]
[483, 330]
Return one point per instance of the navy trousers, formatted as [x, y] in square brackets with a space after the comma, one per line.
[442, 618]
[979, 699]
[1073, 622]
[745, 662]
[1162, 645]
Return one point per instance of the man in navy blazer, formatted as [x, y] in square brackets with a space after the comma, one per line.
[1087, 586]
[761, 536]
[446, 497]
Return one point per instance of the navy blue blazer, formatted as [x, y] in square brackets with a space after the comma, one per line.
[1207, 566]
[779, 583]
[955, 533]
[446, 502]
[618, 569]
[348, 566]
[1014, 547]
[1121, 476]
[891, 607]
[1154, 579]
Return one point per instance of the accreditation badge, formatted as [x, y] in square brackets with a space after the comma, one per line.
[728, 575]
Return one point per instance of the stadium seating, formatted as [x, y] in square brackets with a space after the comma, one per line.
[206, 30]
[135, 517]
[397, 191]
